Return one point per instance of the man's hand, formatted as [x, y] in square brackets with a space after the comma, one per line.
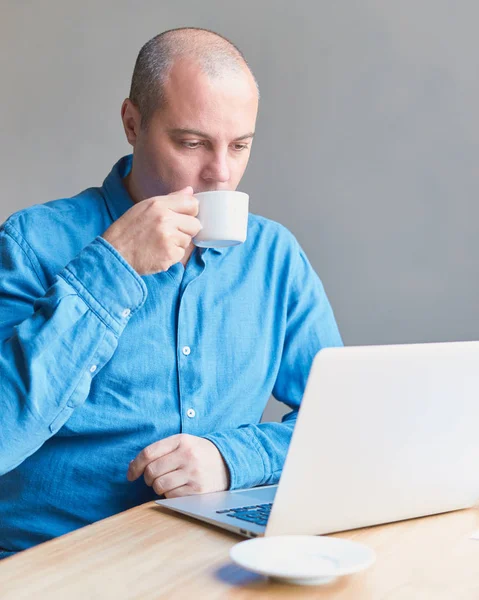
[154, 233]
[181, 465]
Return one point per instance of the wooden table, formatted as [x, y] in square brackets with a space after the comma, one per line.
[149, 552]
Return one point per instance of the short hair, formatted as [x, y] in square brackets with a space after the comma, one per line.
[216, 56]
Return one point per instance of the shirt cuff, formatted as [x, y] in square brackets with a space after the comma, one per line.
[246, 460]
[107, 283]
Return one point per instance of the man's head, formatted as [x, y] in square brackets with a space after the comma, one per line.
[191, 114]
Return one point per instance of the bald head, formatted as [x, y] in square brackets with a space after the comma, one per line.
[216, 56]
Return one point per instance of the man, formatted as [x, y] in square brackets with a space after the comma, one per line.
[132, 363]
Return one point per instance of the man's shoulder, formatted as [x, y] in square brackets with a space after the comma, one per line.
[78, 212]
[267, 231]
[58, 230]
[262, 226]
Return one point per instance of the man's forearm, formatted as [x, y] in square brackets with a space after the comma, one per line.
[255, 454]
[48, 360]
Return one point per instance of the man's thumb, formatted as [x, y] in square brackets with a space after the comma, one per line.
[187, 190]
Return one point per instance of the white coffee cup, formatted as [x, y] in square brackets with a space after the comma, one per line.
[224, 217]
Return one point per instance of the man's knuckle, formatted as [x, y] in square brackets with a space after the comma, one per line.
[161, 215]
[157, 486]
[162, 232]
[150, 203]
[163, 484]
[195, 474]
[189, 454]
[148, 454]
[149, 472]
[196, 486]
[184, 440]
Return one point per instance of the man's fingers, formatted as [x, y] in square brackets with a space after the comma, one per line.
[162, 466]
[168, 483]
[187, 190]
[184, 202]
[184, 490]
[186, 205]
[150, 453]
[182, 239]
[188, 224]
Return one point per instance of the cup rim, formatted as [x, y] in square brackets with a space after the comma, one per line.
[237, 192]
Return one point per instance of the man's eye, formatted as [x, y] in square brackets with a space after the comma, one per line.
[191, 145]
[239, 147]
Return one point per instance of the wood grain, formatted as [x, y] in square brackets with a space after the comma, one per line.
[150, 553]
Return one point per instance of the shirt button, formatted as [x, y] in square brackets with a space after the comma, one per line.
[92, 368]
[126, 313]
[191, 413]
[186, 350]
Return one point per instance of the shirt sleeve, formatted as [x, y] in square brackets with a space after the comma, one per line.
[54, 341]
[255, 454]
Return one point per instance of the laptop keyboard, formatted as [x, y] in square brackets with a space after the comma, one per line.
[258, 513]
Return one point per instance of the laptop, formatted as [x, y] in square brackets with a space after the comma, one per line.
[384, 433]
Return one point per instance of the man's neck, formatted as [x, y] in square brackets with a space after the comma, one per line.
[130, 188]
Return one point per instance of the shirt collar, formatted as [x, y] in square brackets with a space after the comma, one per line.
[119, 200]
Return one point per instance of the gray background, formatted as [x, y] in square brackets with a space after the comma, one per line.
[367, 139]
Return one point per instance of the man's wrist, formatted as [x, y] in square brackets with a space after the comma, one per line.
[106, 282]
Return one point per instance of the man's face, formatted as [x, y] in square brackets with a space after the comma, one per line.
[201, 138]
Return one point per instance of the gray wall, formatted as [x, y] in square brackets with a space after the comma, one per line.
[367, 140]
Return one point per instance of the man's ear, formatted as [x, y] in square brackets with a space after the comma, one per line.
[130, 115]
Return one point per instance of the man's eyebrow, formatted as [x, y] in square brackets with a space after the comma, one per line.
[245, 136]
[181, 131]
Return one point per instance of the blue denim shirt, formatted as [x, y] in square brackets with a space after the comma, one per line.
[97, 362]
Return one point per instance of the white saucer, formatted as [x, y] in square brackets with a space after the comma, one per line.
[302, 559]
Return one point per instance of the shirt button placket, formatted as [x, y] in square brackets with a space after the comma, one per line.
[190, 413]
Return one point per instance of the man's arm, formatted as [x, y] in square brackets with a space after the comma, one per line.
[255, 454]
[54, 341]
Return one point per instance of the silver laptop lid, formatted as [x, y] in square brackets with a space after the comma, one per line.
[384, 433]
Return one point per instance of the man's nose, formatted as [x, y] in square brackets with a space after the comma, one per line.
[217, 170]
